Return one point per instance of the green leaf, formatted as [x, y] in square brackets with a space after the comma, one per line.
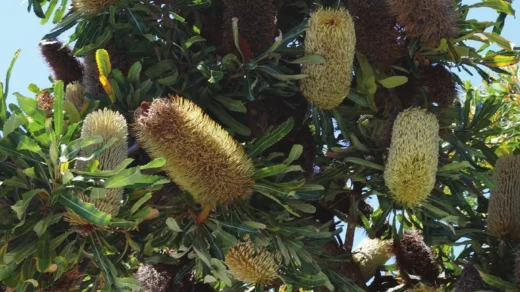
[43, 255]
[498, 5]
[30, 107]
[28, 144]
[140, 202]
[296, 152]
[7, 270]
[232, 124]
[232, 104]
[129, 283]
[49, 11]
[37, 8]
[58, 107]
[12, 123]
[455, 167]
[97, 193]
[497, 282]
[270, 171]
[365, 163]
[260, 145]
[193, 40]
[72, 112]
[255, 225]
[301, 206]
[5, 93]
[42, 225]
[156, 163]
[173, 225]
[86, 210]
[134, 73]
[103, 62]
[20, 206]
[160, 68]
[393, 82]
[309, 60]
[500, 41]
[124, 178]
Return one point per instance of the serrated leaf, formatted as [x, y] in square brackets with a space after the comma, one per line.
[296, 152]
[12, 123]
[72, 112]
[255, 225]
[58, 107]
[393, 82]
[231, 104]
[86, 211]
[30, 107]
[156, 163]
[173, 225]
[134, 73]
[270, 171]
[42, 225]
[498, 5]
[160, 68]
[229, 121]
[309, 60]
[129, 283]
[103, 62]
[301, 206]
[124, 178]
[365, 163]
[21, 206]
[496, 281]
[43, 255]
[260, 145]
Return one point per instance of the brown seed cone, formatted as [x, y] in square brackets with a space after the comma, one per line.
[414, 257]
[427, 20]
[471, 281]
[376, 34]
[438, 83]
[256, 23]
[45, 101]
[64, 65]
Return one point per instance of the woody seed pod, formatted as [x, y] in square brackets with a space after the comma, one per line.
[379, 40]
[107, 124]
[428, 20]
[64, 65]
[413, 157]
[201, 157]
[414, 257]
[439, 85]
[371, 254]
[471, 281]
[251, 264]
[504, 202]
[331, 35]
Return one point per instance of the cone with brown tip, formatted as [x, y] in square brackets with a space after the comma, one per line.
[64, 65]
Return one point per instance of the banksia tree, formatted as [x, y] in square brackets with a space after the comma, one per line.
[379, 40]
[62, 62]
[372, 254]
[331, 35]
[256, 24]
[218, 170]
[414, 257]
[504, 202]
[252, 264]
[413, 157]
[109, 125]
[427, 20]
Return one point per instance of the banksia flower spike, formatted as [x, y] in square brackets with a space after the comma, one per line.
[413, 157]
[471, 281]
[414, 257]
[201, 157]
[427, 20]
[331, 35]
[45, 101]
[252, 264]
[371, 254]
[75, 94]
[256, 23]
[504, 202]
[64, 65]
[379, 40]
[107, 124]
[92, 6]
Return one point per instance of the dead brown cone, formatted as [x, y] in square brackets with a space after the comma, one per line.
[256, 23]
[414, 257]
[45, 101]
[438, 83]
[470, 281]
[64, 65]
[376, 33]
[427, 20]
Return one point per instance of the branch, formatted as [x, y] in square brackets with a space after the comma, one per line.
[352, 216]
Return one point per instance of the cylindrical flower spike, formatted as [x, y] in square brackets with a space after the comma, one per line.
[64, 65]
[331, 35]
[201, 157]
[92, 6]
[414, 257]
[428, 20]
[252, 264]
[75, 94]
[504, 202]
[379, 40]
[107, 124]
[413, 157]
[371, 254]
